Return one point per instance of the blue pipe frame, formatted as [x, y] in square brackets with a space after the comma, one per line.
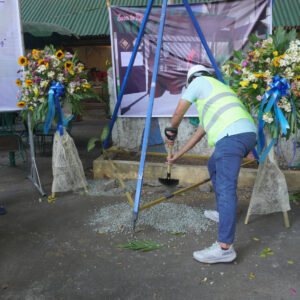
[149, 113]
[203, 40]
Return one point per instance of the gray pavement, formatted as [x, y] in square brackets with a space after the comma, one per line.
[52, 250]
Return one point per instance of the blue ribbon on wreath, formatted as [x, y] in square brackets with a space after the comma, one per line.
[57, 90]
[277, 89]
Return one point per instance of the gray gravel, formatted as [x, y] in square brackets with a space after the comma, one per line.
[168, 217]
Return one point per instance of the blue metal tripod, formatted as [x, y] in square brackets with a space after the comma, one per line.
[153, 86]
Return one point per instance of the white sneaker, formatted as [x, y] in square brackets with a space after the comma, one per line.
[215, 254]
[212, 215]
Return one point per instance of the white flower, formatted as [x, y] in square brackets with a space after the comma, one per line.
[41, 69]
[51, 74]
[60, 77]
[44, 83]
[267, 117]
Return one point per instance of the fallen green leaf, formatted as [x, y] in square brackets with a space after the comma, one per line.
[144, 245]
[266, 252]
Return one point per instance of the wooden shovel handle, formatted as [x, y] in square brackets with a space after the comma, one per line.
[170, 149]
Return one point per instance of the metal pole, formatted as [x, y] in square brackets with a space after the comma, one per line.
[202, 38]
[34, 175]
[149, 114]
[135, 49]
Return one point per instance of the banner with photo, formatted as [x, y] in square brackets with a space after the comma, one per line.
[10, 50]
[226, 26]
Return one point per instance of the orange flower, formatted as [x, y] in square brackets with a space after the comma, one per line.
[41, 62]
[59, 54]
[22, 61]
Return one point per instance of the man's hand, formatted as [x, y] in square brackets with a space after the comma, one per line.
[171, 160]
[171, 133]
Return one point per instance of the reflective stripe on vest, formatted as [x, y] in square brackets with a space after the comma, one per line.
[212, 100]
[220, 111]
[215, 115]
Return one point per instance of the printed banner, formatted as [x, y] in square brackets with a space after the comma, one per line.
[10, 50]
[225, 25]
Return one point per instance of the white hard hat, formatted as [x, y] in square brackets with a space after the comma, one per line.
[193, 70]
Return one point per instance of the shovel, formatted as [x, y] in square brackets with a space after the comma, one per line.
[168, 181]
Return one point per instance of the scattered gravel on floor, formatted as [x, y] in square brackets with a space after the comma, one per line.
[169, 217]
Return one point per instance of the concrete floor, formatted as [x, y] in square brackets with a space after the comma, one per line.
[50, 250]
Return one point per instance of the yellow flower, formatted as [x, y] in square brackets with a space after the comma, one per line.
[18, 82]
[59, 54]
[244, 83]
[72, 72]
[277, 59]
[68, 65]
[41, 62]
[81, 67]
[275, 53]
[30, 107]
[22, 61]
[258, 75]
[36, 92]
[237, 66]
[35, 54]
[21, 104]
[28, 82]
[254, 85]
[297, 77]
[86, 86]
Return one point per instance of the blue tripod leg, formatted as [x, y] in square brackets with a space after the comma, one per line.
[135, 49]
[149, 115]
[203, 40]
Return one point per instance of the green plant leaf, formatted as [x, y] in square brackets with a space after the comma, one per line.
[104, 133]
[238, 54]
[143, 245]
[253, 38]
[91, 143]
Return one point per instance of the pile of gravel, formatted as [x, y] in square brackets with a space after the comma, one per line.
[168, 217]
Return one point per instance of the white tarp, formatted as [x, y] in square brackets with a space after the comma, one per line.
[11, 49]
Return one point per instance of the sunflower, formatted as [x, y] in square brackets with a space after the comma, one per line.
[18, 82]
[28, 82]
[68, 65]
[59, 54]
[41, 62]
[21, 104]
[22, 61]
[35, 54]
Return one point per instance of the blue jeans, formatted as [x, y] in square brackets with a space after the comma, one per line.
[224, 167]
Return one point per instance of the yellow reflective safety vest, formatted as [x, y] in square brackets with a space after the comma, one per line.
[219, 110]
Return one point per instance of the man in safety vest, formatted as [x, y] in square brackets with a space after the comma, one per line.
[230, 128]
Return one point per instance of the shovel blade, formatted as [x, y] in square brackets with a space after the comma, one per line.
[168, 181]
